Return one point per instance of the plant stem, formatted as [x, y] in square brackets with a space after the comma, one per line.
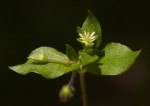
[83, 89]
[72, 79]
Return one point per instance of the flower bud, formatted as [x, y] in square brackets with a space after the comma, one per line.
[66, 93]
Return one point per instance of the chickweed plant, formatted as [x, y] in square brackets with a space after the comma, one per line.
[113, 59]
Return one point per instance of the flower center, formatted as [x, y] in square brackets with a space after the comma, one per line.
[87, 38]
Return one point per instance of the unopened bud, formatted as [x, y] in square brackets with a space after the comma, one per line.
[66, 93]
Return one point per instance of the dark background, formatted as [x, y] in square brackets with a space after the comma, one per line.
[28, 24]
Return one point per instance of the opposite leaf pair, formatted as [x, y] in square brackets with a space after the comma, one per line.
[114, 59]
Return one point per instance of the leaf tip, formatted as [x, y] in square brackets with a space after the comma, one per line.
[89, 12]
[17, 69]
[10, 67]
[139, 51]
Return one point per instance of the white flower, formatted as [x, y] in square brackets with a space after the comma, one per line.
[87, 38]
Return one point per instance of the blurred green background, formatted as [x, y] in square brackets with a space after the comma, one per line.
[28, 24]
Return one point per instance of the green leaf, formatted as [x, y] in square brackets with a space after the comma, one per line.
[80, 30]
[72, 55]
[49, 70]
[48, 55]
[87, 59]
[91, 24]
[118, 59]
[47, 62]
[93, 68]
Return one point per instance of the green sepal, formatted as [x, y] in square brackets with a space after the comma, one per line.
[82, 32]
[118, 59]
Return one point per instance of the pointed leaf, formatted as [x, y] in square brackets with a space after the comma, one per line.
[47, 62]
[91, 24]
[49, 70]
[118, 58]
[71, 53]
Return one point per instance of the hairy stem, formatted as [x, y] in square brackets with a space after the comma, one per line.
[83, 89]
